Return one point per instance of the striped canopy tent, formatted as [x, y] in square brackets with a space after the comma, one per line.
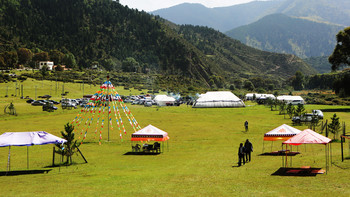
[309, 136]
[150, 133]
[283, 132]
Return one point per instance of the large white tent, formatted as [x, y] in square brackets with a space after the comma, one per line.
[218, 99]
[164, 100]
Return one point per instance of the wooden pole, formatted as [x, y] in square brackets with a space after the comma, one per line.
[81, 154]
[342, 151]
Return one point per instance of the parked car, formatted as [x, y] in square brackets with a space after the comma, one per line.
[30, 101]
[318, 112]
[45, 96]
[54, 102]
[68, 103]
[38, 103]
[303, 118]
[49, 107]
[148, 103]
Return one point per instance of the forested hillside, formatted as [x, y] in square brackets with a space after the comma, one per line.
[82, 33]
[238, 59]
[281, 33]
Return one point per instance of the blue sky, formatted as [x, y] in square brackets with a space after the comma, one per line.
[151, 5]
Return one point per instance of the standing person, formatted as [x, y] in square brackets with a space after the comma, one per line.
[246, 125]
[248, 147]
[241, 155]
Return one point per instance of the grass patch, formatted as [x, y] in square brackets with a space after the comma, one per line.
[200, 161]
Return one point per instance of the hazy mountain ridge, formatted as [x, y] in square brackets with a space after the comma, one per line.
[280, 33]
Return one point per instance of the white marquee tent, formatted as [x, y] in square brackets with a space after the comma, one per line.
[218, 99]
[163, 100]
[291, 99]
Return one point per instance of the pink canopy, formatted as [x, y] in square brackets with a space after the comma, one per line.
[307, 137]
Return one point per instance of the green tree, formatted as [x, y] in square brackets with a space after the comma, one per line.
[56, 56]
[299, 110]
[41, 56]
[248, 85]
[130, 65]
[341, 52]
[24, 55]
[70, 147]
[298, 81]
[10, 58]
[334, 126]
[290, 110]
[69, 60]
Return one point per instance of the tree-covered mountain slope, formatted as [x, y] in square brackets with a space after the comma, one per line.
[281, 33]
[238, 59]
[106, 33]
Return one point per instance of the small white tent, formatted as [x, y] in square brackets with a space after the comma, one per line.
[218, 99]
[164, 100]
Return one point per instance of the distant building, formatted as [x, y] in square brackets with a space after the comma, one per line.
[46, 63]
[63, 66]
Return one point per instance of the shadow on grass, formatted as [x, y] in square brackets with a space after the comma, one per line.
[279, 154]
[336, 110]
[296, 172]
[23, 172]
[141, 153]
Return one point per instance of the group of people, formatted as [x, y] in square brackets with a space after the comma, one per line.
[244, 152]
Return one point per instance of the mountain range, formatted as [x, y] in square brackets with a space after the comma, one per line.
[106, 32]
[284, 34]
[228, 18]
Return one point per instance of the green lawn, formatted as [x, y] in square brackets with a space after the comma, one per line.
[201, 158]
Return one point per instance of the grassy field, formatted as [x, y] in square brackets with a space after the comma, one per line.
[201, 158]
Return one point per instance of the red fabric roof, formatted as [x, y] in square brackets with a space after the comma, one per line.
[308, 137]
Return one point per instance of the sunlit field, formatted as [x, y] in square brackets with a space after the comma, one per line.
[200, 159]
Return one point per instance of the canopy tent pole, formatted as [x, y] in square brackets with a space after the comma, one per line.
[341, 145]
[291, 158]
[27, 157]
[330, 144]
[263, 146]
[8, 160]
[271, 146]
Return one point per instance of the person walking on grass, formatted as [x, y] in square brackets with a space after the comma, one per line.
[241, 155]
[248, 147]
[246, 125]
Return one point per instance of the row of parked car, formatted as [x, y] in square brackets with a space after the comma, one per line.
[48, 105]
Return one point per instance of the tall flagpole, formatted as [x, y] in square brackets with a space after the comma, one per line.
[108, 103]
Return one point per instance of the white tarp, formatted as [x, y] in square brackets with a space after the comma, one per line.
[163, 100]
[29, 139]
[218, 99]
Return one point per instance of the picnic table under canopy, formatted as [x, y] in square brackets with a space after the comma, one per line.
[309, 136]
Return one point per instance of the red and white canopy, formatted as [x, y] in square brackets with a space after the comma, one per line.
[307, 137]
[150, 133]
[283, 132]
